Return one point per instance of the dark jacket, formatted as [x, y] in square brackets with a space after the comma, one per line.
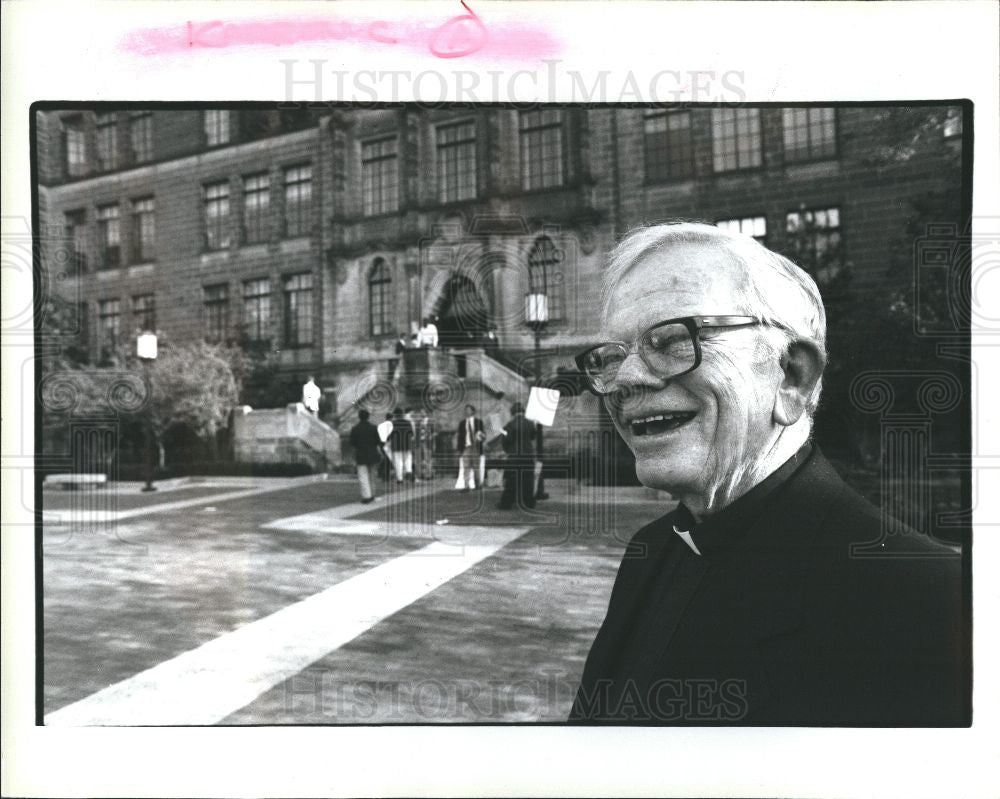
[520, 438]
[797, 612]
[366, 444]
[477, 425]
[401, 437]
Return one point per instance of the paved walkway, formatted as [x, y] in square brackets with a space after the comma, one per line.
[372, 569]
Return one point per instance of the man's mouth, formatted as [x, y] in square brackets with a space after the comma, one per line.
[660, 423]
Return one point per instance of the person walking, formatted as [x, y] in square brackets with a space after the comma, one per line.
[519, 471]
[401, 442]
[471, 459]
[367, 455]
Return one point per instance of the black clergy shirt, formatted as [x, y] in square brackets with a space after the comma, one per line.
[775, 622]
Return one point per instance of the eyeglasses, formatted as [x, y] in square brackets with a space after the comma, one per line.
[669, 349]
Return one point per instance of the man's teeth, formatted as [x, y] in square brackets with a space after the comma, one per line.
[660, 422]
[661, 417]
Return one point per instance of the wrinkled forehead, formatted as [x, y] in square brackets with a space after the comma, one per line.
[677, 280]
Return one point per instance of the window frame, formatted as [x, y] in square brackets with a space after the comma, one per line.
[762, 239]
[452, 154]
[146, 312]
[525, 131]
[669, 174]
[380, 276]
[258, 328]
[141, 125]
[219, 225]
[255, 225]
[75, 227]
[293, 185]
[143, 248]
[290, 314]
[106, 141]
[75, 143]
[551, 288]
[716, 114]
[103, 314]
[217, 125]
[379, 176]
[813, 151]
[109, 227]
[833, 230]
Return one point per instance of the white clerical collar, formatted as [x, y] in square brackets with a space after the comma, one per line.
[686, 536]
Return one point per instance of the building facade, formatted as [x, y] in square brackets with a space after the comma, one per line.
[321, 235]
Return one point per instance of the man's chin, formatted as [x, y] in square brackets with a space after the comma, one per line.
[671, 478]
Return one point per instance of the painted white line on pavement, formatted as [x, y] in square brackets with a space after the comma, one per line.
[83, 514]
[208, 683]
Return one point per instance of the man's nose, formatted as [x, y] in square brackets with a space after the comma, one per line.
[635, 372]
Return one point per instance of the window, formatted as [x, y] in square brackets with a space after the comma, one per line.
[544, 275]
[753, 226]
[298, 200]
[76, 147]
[143, 230]
[109, 231]
[141, 131]
[736, 139]
[107, 142]
[217, 215]
[669, 155]
[109, 322]
[380, 299]
[257, 309]
[256, 204]
[298, 310]
[541, 149]
[814, 238]
[76, 233]
[216, 128]
[456, 162]
[379, 177]
[217, 312]
[144, 313]
[810, 133]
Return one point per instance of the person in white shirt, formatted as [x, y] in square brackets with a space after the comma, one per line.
[310, 396]
[384, 431]
[428, 334]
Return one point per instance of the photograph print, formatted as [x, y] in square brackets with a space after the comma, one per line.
[488, 414]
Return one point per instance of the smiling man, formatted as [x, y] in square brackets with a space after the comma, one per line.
[745, 605]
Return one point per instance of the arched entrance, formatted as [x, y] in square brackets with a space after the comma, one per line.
[463, 317]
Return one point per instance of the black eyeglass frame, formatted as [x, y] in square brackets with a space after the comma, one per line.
[693, 324]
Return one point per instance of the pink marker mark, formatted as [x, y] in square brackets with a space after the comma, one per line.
[458, 37]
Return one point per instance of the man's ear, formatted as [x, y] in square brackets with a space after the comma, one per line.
[801, 366]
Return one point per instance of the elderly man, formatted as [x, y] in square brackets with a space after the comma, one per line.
[745, 605]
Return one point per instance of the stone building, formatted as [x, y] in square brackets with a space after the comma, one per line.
[319, 235]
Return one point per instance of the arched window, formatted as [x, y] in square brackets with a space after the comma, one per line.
[380, 298]
[545, 275]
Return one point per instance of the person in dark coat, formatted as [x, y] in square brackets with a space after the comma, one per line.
[519, 466]
[472, 460]
[773, 594]
[367, 448]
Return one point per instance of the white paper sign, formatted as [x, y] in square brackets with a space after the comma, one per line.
[542, 404]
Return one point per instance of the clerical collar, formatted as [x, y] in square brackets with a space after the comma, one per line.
[713, 533]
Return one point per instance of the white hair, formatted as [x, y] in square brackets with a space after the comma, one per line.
[774, 288]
